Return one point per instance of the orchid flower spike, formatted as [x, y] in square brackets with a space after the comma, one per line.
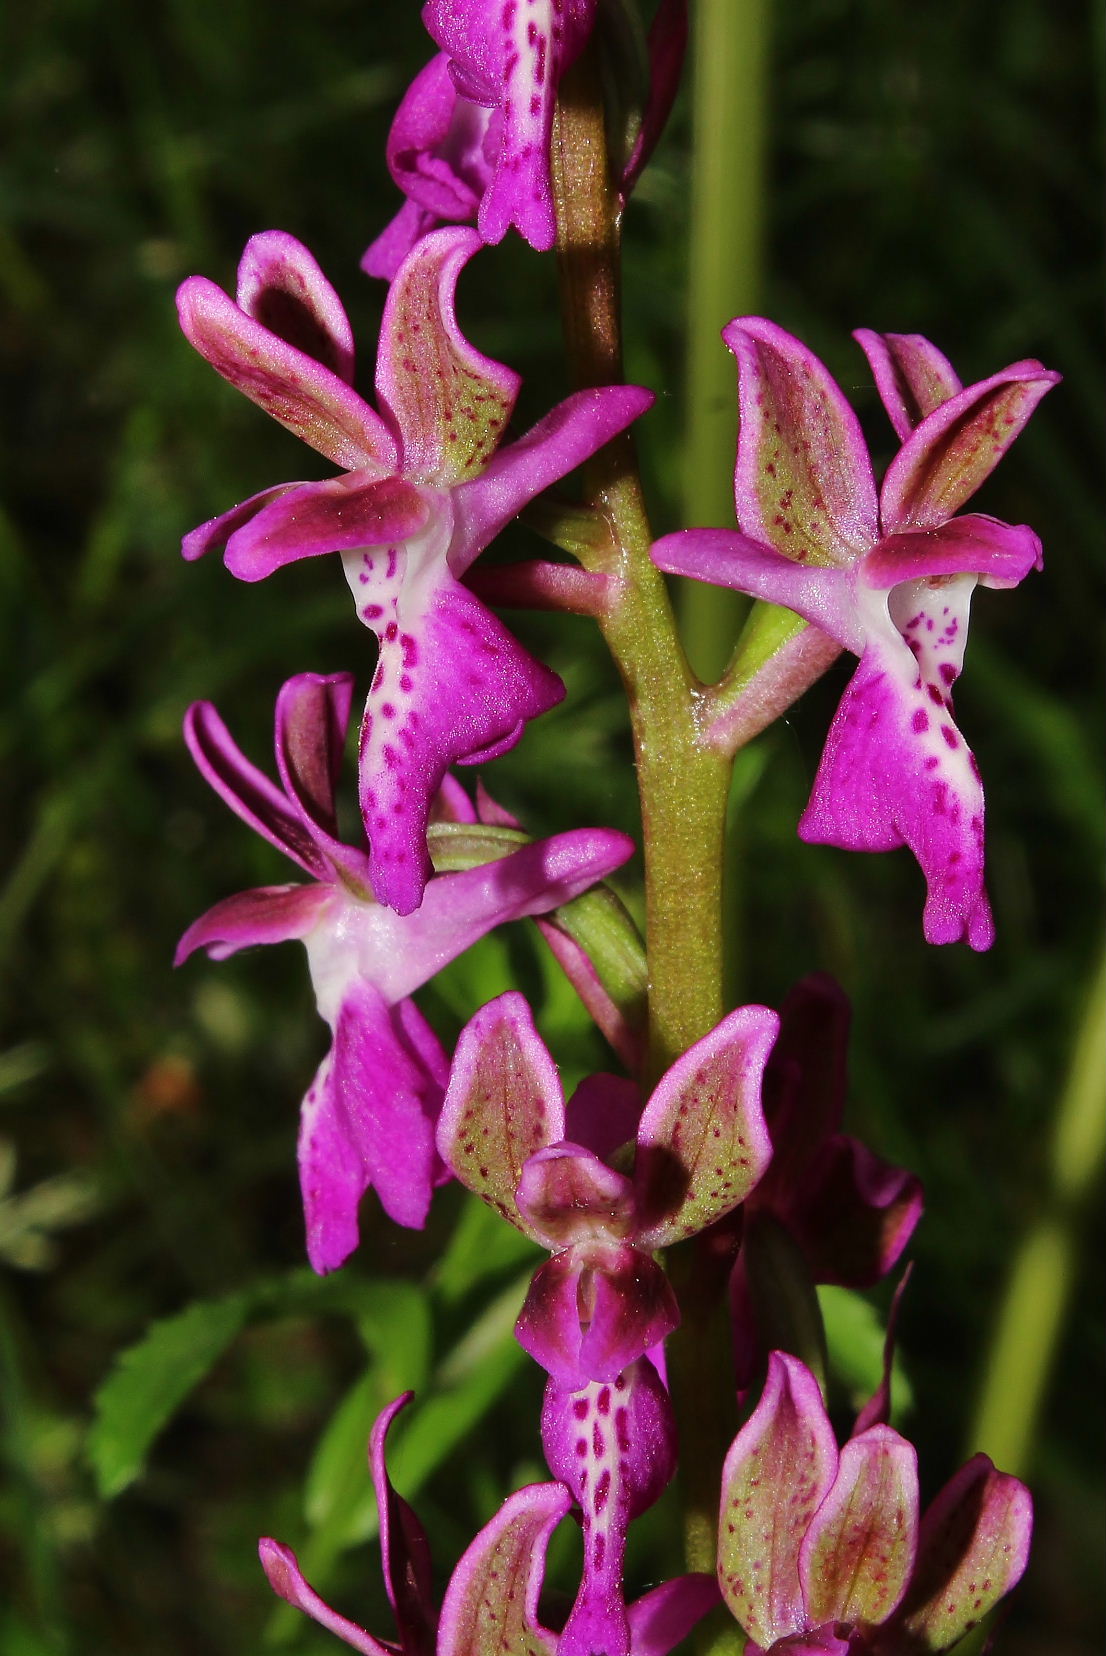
[890, 579]
[369, 1115]
[848, 1213]
[490, 1607]
[422, 491]
[701, 1143]
[821, 1552]
[471, 138]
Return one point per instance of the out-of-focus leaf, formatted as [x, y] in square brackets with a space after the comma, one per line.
[854, 1340]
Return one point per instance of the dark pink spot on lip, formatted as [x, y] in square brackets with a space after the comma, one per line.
[951, 738]
[947, 672]
[920, 721]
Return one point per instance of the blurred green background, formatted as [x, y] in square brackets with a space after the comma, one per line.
[926, 169]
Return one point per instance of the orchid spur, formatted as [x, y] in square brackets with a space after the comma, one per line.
[821, 1552]
[368, 1117]
[422, 491]
[490, 1607]
[890, 579]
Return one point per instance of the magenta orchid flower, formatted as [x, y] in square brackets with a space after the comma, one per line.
[849, 1213]
[369, 1115]
[465, 149]
[422, 490]
[701, 1143]
[821, 1551]
[890, 579]
[490, 1607]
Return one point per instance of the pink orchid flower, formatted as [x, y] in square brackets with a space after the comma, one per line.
[368, 1117]
[821, 1551]
[491, 1602]
[423, 488]
[889, 578]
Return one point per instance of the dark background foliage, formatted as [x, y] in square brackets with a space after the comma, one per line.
[930, 170]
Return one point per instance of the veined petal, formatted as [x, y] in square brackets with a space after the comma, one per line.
[353, 510]
[281, 286]
[491, 1604]
[368, 1119]
[503, 1104]
[973, 1548]
[269, 914]
[310, 400]
[213, 535]
[779, 1468]
[613, 1445]
[568, 435]
[248, 791]
[858, 1553]
[288, 1582]
[451, 686]
[721, 557]
[896, 771]
[448, 401]
[803, 481]
[912, 376]
[404, 1549]
[999, 554]
[312, 717]
[703, 1141]
[956, 447]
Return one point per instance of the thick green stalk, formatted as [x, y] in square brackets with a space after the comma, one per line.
[683, 785]
[729, 51]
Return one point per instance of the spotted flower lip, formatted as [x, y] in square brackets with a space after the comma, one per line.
[822, 1550]
[700, 1144]
[889, 578]
[492, 1600]
[424, 486]
[465, 147]
[368, 1117]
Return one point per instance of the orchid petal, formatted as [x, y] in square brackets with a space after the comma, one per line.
[355, 509]
[803, 481]
[307, 398]
[566, 1194]
[491, 1604]
[664, 1616]
[568, 435]
[368, 1119]
[287, 1581]
[404, 1549]
[956, 447]
[912, 376]
[822, 595]
[972, 1549]
[503, 1103]
[435, 147]
[548, 1326]
[805, 1082]
[667, 50]
[613, 1445]
[779, 1468]
[1000, 554]
[434, 635]
[402, 952]
[854, 1214]
[269, 914]
[895, 770]
[399, 237]
[213, 535]
[703, 1141]
[603, 1113]
[281, 286]
[858, 1553]
[312, 717]
[449, 402]
[248, 791]
[631, 1308]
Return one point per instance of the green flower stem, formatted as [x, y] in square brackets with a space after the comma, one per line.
[683, 784]
[1043, 1274]
[729, 46]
